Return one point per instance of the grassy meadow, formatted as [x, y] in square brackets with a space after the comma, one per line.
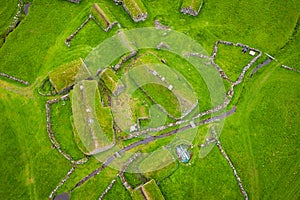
[261, 138]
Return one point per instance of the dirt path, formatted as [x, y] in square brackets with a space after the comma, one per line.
[260, 66]
[26, 8]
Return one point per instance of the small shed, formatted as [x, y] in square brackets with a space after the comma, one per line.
[252, 53]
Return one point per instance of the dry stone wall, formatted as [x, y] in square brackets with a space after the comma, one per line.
[14, 78]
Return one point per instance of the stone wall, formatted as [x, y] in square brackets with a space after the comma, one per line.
[124, 59]
[107, 189]
[62, 182]
[74, 1]
[238, 179]
[290, 68]
[14, 78]
[70, 38]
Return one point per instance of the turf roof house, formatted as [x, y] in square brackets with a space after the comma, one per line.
[111, 81]
[103, 17]
[147, 191]
[191, 7]
[65, 76]
[136, 9]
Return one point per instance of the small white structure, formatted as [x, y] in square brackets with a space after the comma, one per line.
[163, 78]
[154, 73]
[118, 155]
[88, 110]
[252, 53]
[170, 87]
[192, 124]
[91, 121]
[81, 87]
[133, 128]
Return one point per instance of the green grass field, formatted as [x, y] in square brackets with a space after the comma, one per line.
[261, 138]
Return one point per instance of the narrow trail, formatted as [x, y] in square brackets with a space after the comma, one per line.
[260, 66]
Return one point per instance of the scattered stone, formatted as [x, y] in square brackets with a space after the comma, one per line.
[160, 26]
